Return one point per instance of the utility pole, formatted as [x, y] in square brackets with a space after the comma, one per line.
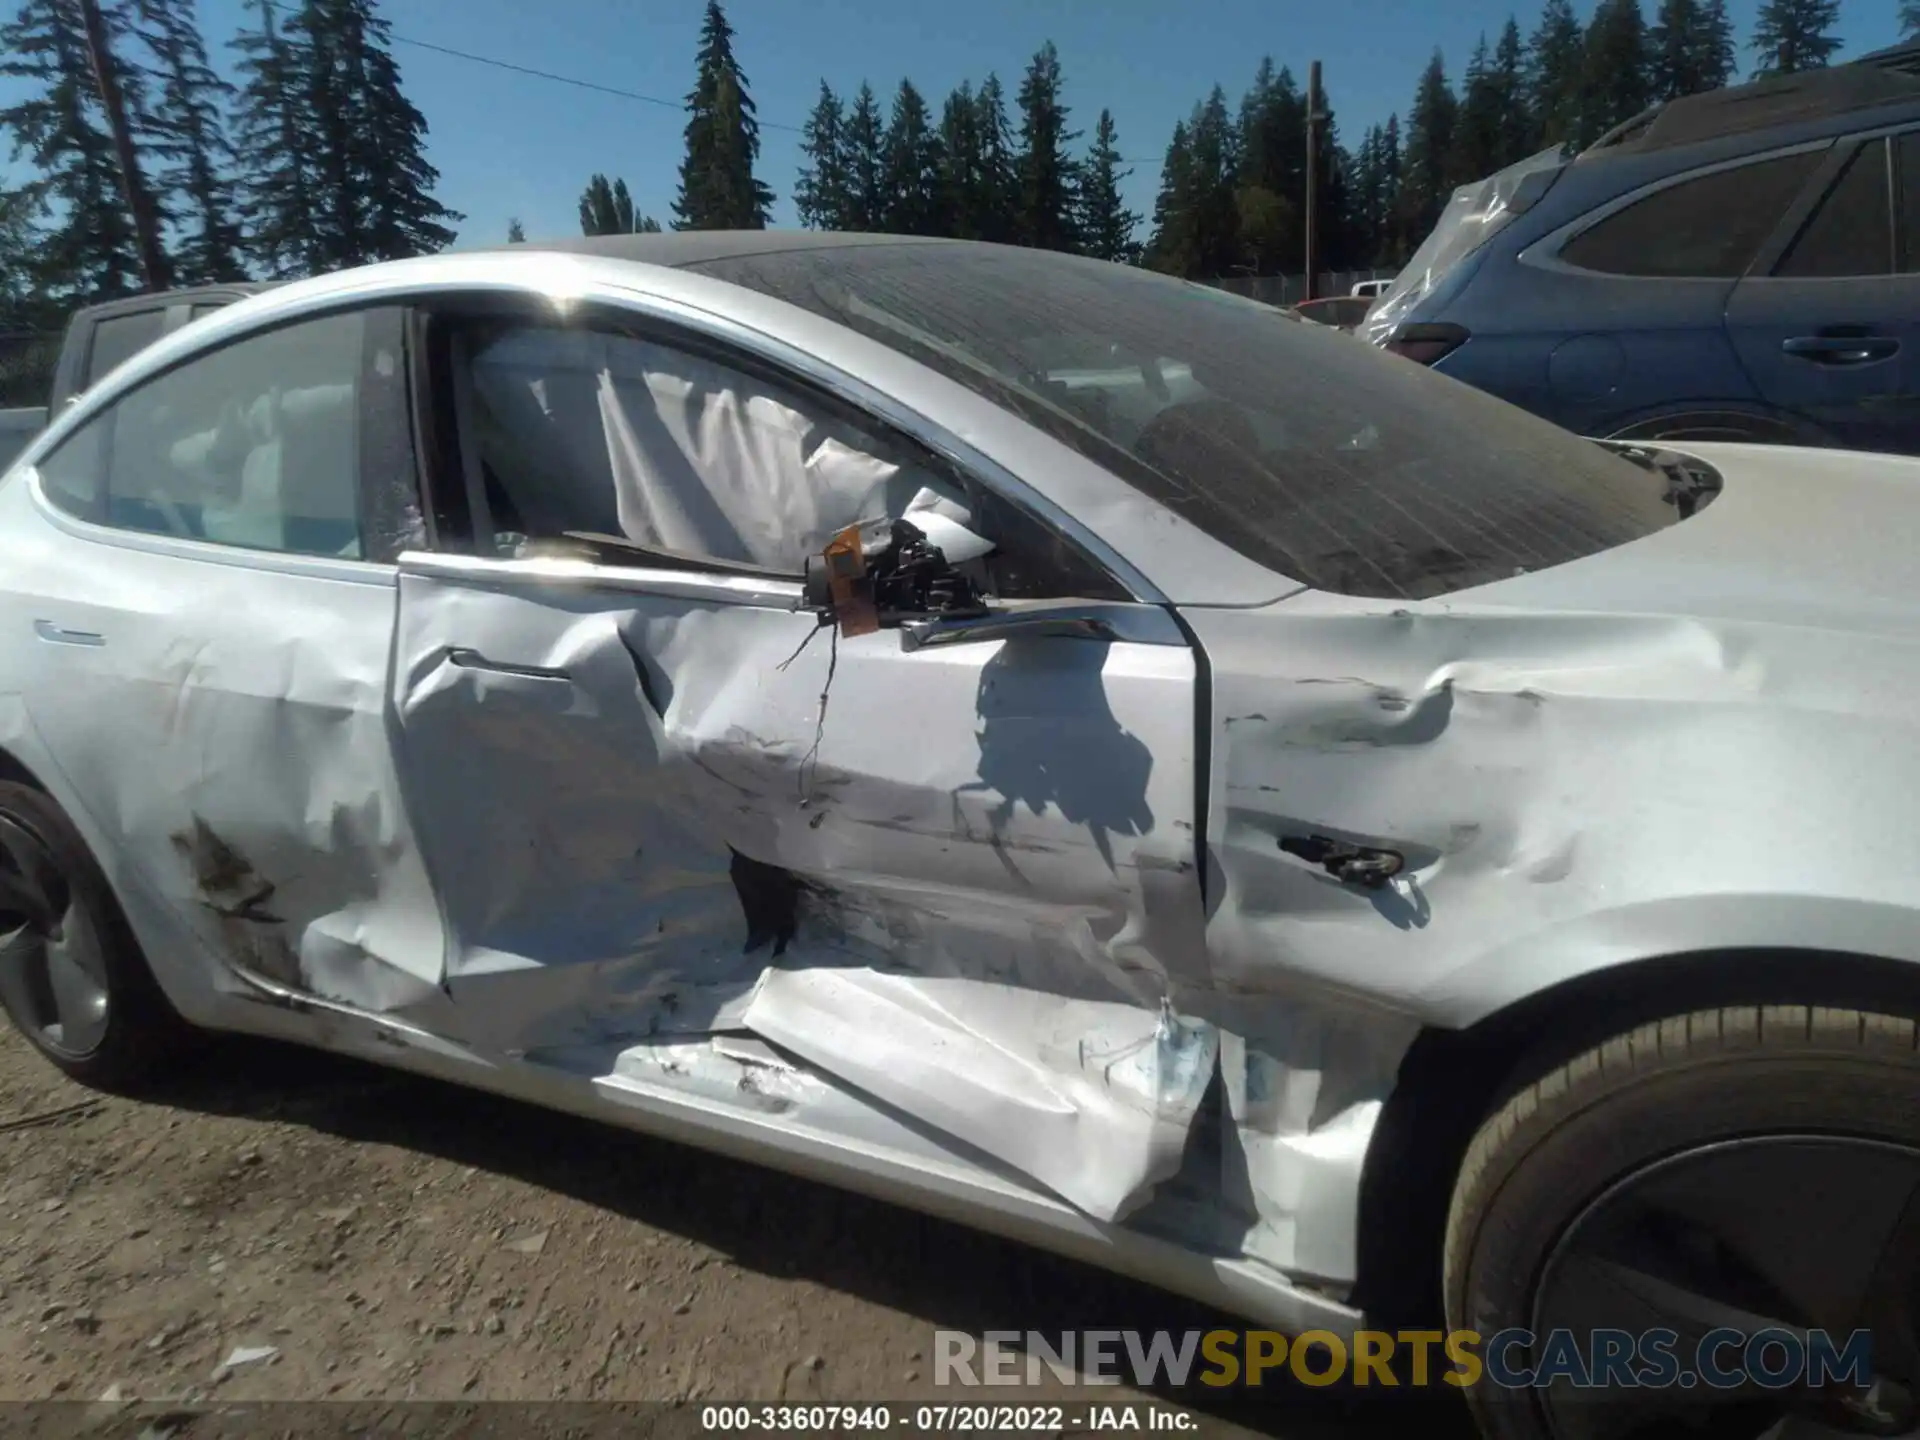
[1315, 117]
[146, 225]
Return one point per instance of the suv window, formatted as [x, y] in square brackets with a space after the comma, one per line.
[255, 444]
[1907, 155]
[122, 337]
[1852, 231]
[599, 431]
[1707, 227]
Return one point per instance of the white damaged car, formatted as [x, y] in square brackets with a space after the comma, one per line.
[1035, 740]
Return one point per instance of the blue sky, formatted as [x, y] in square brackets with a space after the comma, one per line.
[508, 144]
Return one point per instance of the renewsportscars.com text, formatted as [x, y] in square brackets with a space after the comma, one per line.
[1509, 1359]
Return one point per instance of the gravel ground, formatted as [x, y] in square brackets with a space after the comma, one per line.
[379, 1238]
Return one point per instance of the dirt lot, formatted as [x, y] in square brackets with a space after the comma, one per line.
[393, 1239]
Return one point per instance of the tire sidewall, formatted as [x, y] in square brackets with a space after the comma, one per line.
[1554, 1167]
[137, 1010]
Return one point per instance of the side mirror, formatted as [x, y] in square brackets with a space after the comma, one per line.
[863, 588]
[955, 542]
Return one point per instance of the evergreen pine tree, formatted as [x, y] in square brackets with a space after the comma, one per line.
[1333, 193]
[1106, 226]
[1690, 48]
[1428, 161]
[1366, 197]
[1555, 66]
[1719, 56]
[402, 216]
[24, 302]
[912, 153]
[1048, 178]
[1476, 131]
[90, 251]
[865, 163]
[606, 208]
[1614, 79]
[321, 48]
[1670, 43]
[999, 166]
[1395, 244]
[962, 179]
[1509, 84]
[1207, 203]
[516, 232]
[1167, 246]
[1794, 35]
[1909, 18]
[188, 134]
[718, 190]
[820, 194]
[1272, 172]
[272, 141]
[371, 187]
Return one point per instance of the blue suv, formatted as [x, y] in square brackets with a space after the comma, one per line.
[1739, 265]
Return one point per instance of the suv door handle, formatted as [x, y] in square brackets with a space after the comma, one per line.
[1842, 349]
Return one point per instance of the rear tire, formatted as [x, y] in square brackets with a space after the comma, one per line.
[72, 978]
[1645, 1118]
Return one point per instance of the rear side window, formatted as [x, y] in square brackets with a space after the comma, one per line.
[256, 444]
[1852, 231]
[1708, 227]
[1906, 150]
[121, 338]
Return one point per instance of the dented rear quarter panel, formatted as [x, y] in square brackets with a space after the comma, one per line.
[1705, 740]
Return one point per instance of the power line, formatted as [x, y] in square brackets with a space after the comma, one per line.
[557, 79]
[574, 81]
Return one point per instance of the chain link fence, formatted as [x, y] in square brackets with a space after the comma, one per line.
[27, 360]
[1292, 289]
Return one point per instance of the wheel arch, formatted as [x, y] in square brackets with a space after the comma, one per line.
[1754, 420]
[14, 769]
[1450, 1079]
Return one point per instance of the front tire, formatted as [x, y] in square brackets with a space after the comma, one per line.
[72, 978]
[1738, 1168]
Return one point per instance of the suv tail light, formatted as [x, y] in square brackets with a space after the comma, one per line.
[1424, 344]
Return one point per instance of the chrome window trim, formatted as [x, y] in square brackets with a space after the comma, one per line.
[283, 562]
[706, 585]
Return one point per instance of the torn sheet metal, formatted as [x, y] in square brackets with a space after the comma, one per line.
[641, 807]
[1305, 1080]
[1093, 1099]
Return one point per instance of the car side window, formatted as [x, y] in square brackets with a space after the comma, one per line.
[121, 337]
[1852, 231]
[256, 444]
[600, 431]
[1906, 153]
[1706, 227]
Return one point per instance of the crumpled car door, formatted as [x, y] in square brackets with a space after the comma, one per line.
[956, 879]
